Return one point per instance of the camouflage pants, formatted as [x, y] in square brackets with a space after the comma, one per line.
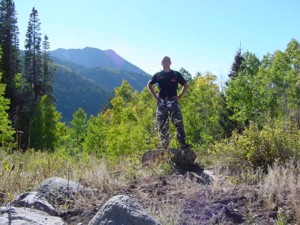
[166, 110]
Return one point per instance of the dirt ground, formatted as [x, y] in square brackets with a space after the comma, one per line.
[205, 205]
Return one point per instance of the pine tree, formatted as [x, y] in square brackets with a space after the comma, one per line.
[36, 74]
[236, 65]
[33, 59]
[9, 43]
[48, 70]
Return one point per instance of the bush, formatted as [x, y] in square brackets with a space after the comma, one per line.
[277, 141]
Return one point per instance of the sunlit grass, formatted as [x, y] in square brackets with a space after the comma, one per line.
[279, 188]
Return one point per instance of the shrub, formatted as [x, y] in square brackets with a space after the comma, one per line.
[277, 141]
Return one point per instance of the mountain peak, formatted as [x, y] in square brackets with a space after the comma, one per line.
[90, 57]
[118, 60]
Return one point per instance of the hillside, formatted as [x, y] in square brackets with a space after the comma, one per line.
[72, 91]
[87, 77]
[108, 78]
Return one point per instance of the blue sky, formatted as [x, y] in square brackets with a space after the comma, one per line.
[198, 35]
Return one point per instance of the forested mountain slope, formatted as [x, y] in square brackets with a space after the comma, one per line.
[72, 91]
[87, 77]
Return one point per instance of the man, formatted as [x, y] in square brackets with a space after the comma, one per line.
[167, 102]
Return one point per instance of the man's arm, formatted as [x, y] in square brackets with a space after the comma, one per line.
[182, 92]
[151, 89]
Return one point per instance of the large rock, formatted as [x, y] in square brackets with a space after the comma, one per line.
[34, 200]
[152, 156]
[22, 216]
[59, 191]
[182, 156]
[122, 210]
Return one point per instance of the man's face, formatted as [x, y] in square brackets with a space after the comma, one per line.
[166, 61]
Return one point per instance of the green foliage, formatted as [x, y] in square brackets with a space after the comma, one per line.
[200, 107]
[122, 121]
[63, 132]
[78, 128]
[44, 127]
[18, 81]
[127, 128]
[227, 124]
[95, 140]
[243, 94]
[6, 130]
[267, 88]
[276, 142]
[9, 43]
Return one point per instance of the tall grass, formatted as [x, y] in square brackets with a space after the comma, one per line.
[24, 172]
[280, 189]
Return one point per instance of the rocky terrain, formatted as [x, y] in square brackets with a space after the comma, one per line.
[206, 205]
[187, 194]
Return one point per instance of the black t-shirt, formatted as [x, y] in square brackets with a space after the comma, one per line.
[167, 83]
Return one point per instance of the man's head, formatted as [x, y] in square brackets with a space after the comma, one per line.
[166, 63]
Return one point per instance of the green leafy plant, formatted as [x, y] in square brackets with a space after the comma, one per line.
[277, 141]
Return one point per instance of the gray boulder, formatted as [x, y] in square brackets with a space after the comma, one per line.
[59, 191]
[22, 216]
[34, 200]
[122, 210]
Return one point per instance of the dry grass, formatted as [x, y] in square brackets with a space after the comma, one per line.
[24, 172]
[167, 207]
[161, 193]
[280, 189]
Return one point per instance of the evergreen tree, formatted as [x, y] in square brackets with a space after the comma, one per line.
[37, 73]
[226, 113]
[33, 60]
[9, 43]
[48, 70]
[236, 65]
